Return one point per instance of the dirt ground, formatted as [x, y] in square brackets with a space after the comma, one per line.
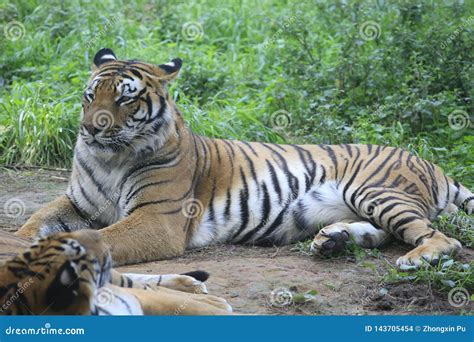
[246, 276]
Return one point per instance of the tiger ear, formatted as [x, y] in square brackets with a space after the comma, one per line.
[104, 56]
[169, 71]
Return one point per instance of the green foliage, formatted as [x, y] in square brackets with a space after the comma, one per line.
[308, 58]
[444, 276]
[459, 226]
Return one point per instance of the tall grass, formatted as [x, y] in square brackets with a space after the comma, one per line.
[308, 59]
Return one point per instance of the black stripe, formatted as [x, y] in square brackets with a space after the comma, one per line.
[63, 225]
[144, 204]
[244, 205]
[425, 236]
[329, 150]
[265, 214]
[403, 222]
[129, 309]
[251, 166]
[348, 149]
[266, 239]
[136, 73]
[211, 202]
[275, 182]
[250, 147]
[227, 204]
[90, 173]
[129, 195]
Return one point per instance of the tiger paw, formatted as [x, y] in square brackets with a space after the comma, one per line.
[330, 239]
[218, 302]
[184, 283]
[429, 253]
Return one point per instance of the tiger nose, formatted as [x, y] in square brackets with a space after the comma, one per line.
[91, 129]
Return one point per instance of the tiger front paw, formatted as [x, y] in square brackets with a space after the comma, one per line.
[330, 239]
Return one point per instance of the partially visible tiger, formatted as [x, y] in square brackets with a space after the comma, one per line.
[137, 170]
[71, 274]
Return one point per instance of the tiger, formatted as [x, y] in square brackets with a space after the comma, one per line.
[71, 274]
[155, 189]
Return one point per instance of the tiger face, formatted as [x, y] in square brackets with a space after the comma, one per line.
[55, 275]
[126, 105]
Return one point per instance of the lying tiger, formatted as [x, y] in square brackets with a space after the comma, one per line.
[71, 274]
[154, 188]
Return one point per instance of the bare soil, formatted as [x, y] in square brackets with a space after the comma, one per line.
[246, 276]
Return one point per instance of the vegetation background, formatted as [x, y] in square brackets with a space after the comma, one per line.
[396, 73]
[383, 72]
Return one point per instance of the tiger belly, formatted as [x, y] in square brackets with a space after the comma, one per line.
[273, 222]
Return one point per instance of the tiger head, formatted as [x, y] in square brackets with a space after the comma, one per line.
[126, 105]
[56, 275]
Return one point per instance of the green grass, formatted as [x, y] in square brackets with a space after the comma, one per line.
[446, 275]
[459, 226]
[252, 59]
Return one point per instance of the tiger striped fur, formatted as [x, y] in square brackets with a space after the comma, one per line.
[71, 274]
[138, 170]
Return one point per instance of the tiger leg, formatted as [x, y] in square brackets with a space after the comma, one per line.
[58, 216]
[145, 236]
[179, 282]
[431, 244]
[165, 301]
[407, 220]
[333, 238]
